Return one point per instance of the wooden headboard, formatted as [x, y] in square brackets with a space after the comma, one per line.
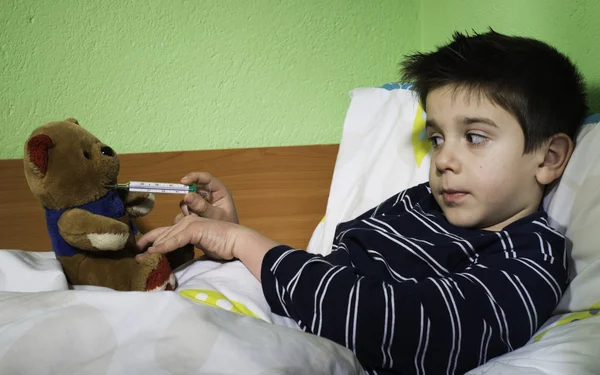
[279, 191]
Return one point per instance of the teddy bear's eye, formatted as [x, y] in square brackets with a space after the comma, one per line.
[86, 154]
[107, 151]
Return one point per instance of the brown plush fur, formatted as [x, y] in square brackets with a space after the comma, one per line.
[66, 167]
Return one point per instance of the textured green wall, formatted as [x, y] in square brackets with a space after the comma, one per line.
[182, 74]
[570, 25]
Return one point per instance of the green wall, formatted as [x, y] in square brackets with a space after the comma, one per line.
[569, 25]
[147, 76]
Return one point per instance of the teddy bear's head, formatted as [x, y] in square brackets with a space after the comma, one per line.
[66, 166]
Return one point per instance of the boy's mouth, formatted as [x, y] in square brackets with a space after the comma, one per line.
[453, 196]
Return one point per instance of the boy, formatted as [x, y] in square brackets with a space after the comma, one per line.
[446, 275]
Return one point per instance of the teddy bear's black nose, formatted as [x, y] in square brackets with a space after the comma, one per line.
[107, 151]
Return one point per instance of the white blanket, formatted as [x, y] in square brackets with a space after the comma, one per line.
[47, 329]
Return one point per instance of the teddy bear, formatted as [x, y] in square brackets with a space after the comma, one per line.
[90, 224]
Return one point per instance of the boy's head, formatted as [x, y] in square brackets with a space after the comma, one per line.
[502, 112]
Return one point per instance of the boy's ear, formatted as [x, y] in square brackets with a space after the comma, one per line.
[558, 151]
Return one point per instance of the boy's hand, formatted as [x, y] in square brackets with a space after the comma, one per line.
[216, 238]
[217, 204]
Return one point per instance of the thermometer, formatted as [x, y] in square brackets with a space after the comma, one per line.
[159, 187]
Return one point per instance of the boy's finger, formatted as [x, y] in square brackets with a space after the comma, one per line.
[140, 257]
[168, 244]
[170, 232]
[205, 181]
[176, 236]
[184, 208]
[149, 237]
[197, 204]
[178, 218]
[197, 178]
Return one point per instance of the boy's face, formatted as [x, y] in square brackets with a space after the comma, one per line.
[479, 175]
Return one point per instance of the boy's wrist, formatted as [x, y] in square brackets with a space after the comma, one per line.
[248, 241]
[251, 247]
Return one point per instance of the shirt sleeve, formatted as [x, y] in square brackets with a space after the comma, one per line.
[443, 325]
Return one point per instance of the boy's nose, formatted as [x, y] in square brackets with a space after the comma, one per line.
[446, 159]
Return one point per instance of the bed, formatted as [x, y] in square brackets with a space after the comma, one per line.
[295, 195]
[45, 328]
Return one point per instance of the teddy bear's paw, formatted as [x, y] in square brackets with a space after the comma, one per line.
[169, 284]
[108, 241]
[142, 206]
[162, 278]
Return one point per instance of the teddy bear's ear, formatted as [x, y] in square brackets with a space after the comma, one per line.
[37, 150]
[74, 121]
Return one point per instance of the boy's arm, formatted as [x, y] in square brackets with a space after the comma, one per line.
[253, 246]
[444, 325]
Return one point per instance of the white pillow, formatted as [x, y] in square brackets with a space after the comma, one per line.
[574, 209]
[384, 149]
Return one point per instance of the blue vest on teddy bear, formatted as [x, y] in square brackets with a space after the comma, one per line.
[109, 205]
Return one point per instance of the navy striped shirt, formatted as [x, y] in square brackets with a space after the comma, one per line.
[409, 293]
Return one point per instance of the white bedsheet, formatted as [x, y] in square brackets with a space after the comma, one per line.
[99, 331]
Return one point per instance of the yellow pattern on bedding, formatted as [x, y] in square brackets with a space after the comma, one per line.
[420, 142]
[570, 318]
[216, 299]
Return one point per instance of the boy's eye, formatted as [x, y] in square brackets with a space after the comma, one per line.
[476, 139]
[435, 140]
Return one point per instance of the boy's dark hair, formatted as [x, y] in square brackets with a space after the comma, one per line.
[540, 86]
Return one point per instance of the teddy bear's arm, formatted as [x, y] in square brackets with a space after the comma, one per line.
[87, 231]
[138, 204]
